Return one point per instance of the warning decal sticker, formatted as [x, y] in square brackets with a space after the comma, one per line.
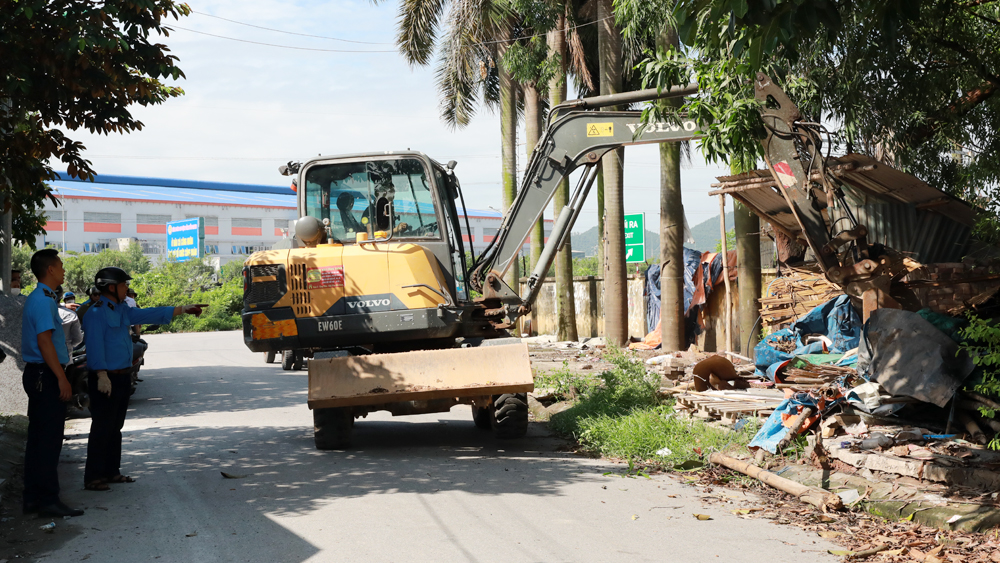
[601, 130]
[329, 276]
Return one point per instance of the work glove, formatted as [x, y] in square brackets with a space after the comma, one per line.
[103, 383]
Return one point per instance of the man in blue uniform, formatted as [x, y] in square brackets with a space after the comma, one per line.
[43, 348]
[106, 329]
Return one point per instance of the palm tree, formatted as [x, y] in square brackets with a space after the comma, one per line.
[476, 34]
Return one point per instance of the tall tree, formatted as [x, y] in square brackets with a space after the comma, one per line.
[642, 21]
[70, 65]
[477, 34]
[615, 276]
[911, 83]
[565, 46]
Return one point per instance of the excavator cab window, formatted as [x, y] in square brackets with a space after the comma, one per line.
[374, 195]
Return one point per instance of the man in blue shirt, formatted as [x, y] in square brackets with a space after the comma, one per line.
[107, 334]
[43, 348]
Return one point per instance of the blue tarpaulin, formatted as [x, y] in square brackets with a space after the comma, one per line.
[692, 259]
[836, 319]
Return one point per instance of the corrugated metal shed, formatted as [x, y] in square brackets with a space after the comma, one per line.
[900, 210]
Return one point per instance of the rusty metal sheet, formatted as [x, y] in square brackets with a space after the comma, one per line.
[419, 376]
[900, 210]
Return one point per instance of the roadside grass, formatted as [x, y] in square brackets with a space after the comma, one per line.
[623, 417]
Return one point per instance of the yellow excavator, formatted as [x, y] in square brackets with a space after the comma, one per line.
[377, 289]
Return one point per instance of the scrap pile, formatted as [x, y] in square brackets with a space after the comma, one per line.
[890, 397]
[791, 296]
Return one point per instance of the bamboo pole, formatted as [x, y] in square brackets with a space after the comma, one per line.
[725, 274]
[820, 498]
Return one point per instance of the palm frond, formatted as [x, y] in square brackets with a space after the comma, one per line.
[418, 27]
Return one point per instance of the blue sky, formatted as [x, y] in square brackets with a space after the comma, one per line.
[249, 108]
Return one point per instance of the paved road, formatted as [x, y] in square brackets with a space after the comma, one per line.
[423, 488]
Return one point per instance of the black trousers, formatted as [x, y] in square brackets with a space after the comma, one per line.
[107, 415]
[46, 422]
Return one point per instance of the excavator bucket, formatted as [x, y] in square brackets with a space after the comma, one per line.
[419, 376]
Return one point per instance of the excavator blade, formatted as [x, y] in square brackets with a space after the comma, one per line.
[419, 376]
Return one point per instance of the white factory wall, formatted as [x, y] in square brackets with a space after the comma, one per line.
[225, 244]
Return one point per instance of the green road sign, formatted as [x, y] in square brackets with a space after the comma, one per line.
[635, 237]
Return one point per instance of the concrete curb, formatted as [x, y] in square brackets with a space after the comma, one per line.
[898, 502]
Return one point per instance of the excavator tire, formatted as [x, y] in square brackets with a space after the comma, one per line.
[332, 428]
[287, 359]
[483, 417]
[510, 415]
[269, 357]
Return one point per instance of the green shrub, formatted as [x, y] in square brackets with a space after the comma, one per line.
[981, 340]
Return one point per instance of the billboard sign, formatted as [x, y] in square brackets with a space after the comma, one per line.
[186, 239]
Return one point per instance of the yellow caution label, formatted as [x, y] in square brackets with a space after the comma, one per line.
[601, 130]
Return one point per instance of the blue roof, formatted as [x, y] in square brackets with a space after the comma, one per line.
[195, 191]
[174, 183]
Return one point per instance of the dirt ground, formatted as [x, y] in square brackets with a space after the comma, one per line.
[857, 531]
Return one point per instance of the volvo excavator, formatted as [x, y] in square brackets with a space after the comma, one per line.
[377, 288]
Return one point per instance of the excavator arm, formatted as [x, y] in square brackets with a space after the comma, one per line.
[578, 135]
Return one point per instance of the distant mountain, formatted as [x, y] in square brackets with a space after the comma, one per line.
[706, 233]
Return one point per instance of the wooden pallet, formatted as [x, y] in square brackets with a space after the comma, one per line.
[729, 406]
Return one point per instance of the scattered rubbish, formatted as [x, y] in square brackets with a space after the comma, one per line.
[820, 498]
[191, 535]
[702, 516]
[635, 516]
[664, 452]
[876, 441]
[850, 496]
[48, 528]
[234, 475]
[954, 519]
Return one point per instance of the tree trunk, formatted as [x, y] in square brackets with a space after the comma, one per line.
[615, 279]
[508, 157]
[747, 227]
[565, 300]
[671, 231]
[532, 131]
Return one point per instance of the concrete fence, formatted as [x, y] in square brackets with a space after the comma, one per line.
[588, 293]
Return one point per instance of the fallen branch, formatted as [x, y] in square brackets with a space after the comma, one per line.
[795, 426]
[820, 498]
[975, 432]
[869, 552]
[982, 399]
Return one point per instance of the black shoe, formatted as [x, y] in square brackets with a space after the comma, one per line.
[58, 509]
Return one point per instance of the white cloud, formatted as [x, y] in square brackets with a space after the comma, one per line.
[249, 108]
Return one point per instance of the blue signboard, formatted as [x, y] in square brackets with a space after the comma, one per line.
[186, 239]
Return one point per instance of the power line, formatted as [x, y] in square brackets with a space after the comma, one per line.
[288, 32]
[595, 22]
[279, 46]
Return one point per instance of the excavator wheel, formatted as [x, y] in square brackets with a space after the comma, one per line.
[287, 359]
[332, 428]
[483, 417]
[269, 357]
[510, 415]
